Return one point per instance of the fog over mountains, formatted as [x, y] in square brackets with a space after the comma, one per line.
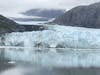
[38, 15]
[45, 13]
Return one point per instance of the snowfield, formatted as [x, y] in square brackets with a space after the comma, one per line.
[56, 36]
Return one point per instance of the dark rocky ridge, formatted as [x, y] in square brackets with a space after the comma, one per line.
[7, 25]
[81, 16]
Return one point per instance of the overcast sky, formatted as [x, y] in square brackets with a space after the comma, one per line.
[10, 7]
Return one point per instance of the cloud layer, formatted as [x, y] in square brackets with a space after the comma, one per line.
[13, 6]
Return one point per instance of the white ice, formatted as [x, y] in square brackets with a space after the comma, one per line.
[66, 36]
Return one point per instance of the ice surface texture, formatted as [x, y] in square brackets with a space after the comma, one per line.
[56, 36]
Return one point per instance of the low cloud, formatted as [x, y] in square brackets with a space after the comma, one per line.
[9, 7]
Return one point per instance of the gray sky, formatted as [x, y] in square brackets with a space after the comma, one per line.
[10, 7]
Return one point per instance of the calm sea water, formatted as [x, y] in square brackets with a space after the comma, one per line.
[18, 61]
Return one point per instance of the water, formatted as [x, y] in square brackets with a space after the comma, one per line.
[38, 70]
[51, 61]
[53, 57]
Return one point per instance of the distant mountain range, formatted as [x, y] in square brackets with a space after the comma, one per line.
[81, 16]
[7, 25]
[46, 14]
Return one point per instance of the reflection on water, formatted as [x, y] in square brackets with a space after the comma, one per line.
[53, 57]
[49, 61]
[40, 70]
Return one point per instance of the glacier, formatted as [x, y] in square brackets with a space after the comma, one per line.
[60, 46]
[57, 36]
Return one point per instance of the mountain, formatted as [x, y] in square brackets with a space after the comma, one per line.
[81, 16]
[7, 25]
[45, 13]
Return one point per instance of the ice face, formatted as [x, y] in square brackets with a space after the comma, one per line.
[56, 36]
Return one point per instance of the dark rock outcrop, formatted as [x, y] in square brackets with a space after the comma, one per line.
[81, 16]
[7, 25]
[34, 27]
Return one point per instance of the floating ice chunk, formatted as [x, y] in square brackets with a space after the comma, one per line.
[11, 62]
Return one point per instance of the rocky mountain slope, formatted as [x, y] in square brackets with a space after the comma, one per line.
[7, 25]
[81, 16]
